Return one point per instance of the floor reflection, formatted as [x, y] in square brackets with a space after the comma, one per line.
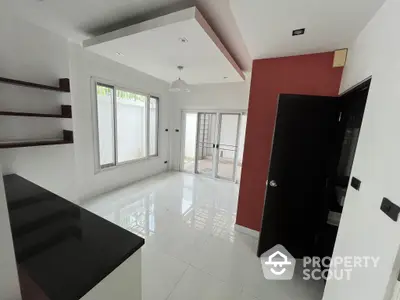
[139, 216]
[183, 200]
[191, 243]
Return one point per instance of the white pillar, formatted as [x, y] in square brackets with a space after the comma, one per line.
[124, 283]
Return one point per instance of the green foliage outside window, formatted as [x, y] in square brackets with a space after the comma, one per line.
[107, 91]
[131, 96]
[104, 91]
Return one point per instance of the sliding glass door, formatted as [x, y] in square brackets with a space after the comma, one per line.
[227, 146]
[206, 143]
[188, 152]
[210, 144]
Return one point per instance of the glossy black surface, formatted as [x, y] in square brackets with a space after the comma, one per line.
[294, 210]
[65, 249]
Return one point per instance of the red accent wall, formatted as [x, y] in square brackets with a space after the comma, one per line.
[306, 74]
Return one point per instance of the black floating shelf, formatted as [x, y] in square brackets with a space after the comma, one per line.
[68, 138]
[65, 113]
[63, 84]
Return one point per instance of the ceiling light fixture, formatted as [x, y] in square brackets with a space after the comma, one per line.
[300, 31]
[119, 54]
[179, 85]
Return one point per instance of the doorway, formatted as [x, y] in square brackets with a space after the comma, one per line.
[189, 149]
[242, 136]
[227, 146]
[211, 143]
[313, 149]
[206, 141]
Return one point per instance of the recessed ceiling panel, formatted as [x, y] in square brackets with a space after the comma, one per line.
[267, 25]
[158, 46]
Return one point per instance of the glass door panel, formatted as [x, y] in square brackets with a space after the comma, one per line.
[242, 135]
[206, 143]
[227, 148]
[189, 151]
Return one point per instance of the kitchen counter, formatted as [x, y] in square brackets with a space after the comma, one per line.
[64, 249]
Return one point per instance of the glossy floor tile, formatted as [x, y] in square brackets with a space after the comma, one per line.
[161, 273]
[198, 285]
[192, 250]
[205, 167]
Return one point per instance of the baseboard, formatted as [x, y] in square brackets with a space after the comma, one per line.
[248, 231]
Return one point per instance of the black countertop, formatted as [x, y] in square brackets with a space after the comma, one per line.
[65, 249]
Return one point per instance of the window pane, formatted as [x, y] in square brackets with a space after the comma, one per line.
[105, 121]
[131, 126]
[153, 126]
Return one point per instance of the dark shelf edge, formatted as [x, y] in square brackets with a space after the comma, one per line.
[65, 113]
[68, 138]
[63, 84]
[22, 114]
[33, 144]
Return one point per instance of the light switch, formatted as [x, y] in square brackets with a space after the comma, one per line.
[355, 183]
[390, 209]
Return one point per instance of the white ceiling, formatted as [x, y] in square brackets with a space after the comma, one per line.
[78, 20]
[248, 28]
[266, 25]
[154, 48]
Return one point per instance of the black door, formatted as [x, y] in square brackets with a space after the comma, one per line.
[303, 146]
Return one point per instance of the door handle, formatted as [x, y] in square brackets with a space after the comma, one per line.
[273, 183]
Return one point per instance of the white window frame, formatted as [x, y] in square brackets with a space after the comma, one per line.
[115, 164]
[157, 125]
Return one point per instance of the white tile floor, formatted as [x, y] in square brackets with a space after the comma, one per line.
[192, 250]
[205, 167]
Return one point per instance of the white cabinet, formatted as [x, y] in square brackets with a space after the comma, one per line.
[124, 283]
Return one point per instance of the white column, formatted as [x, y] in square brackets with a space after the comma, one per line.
[124, 283]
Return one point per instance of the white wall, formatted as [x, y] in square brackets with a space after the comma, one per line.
[190, 135]
[84, 66]
[215, 96]
[364, 229]
[242, 135]
[32, 54]
[229, 131]
[209, 97]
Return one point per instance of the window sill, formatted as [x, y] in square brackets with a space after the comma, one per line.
[127, 163]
